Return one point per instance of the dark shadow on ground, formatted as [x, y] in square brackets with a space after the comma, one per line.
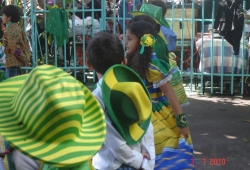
[217, 127]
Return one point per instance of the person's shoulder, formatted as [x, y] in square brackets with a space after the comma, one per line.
[97, 91]
[15, 27]
[15, 24]
[168, 31]
[10, 30]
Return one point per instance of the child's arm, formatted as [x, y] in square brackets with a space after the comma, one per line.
[115, 144]
[122, 152]
[147, 142]
[148, 146]
[174, 103]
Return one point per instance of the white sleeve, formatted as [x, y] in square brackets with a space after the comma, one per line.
[148, 145]
[22, 162]
[118, 146]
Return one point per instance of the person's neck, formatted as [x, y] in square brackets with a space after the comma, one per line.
[8, 24]
[99, 75]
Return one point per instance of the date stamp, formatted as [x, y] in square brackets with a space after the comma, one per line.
[210, 161]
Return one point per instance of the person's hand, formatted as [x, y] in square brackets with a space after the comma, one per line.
[27, 63]
[145, 155]
[120, 36]
[184, 131]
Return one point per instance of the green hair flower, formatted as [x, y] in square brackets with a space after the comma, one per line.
[147, 40]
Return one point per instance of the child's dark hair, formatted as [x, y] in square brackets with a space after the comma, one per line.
[147, 19]
[13, 12]
[161, 4]
[140, 62]
[104, 51]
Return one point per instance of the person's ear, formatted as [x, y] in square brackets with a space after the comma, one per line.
[124, 62]
[89, 65]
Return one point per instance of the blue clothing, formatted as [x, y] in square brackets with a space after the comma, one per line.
[171, 38]
[12, 72]
[183, 153]
[127, 15]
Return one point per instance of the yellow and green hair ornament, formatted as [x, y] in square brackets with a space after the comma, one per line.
[147, 40]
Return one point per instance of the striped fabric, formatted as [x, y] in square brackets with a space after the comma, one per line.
[213, 61]
[51, 117]
[176, 82]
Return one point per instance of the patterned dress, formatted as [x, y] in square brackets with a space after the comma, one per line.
[172, 151]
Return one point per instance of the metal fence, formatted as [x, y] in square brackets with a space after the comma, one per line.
[202, 57]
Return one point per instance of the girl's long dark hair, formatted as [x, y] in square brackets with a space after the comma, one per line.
[140, 62]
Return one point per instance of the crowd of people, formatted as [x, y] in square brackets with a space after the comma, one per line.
[132, 120]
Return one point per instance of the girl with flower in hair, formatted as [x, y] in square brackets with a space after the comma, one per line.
[171, 132]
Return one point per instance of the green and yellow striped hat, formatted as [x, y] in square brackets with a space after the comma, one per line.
[51, 117]
[127, 101]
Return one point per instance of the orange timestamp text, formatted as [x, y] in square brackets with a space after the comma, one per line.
[211, 161]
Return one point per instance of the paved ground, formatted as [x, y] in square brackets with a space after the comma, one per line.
[221, 137]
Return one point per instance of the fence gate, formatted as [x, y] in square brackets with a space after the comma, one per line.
[207, 59]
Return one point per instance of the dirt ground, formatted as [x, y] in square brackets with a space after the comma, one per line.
[221, 137]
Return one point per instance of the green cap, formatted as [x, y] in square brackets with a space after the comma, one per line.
[153, 11]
